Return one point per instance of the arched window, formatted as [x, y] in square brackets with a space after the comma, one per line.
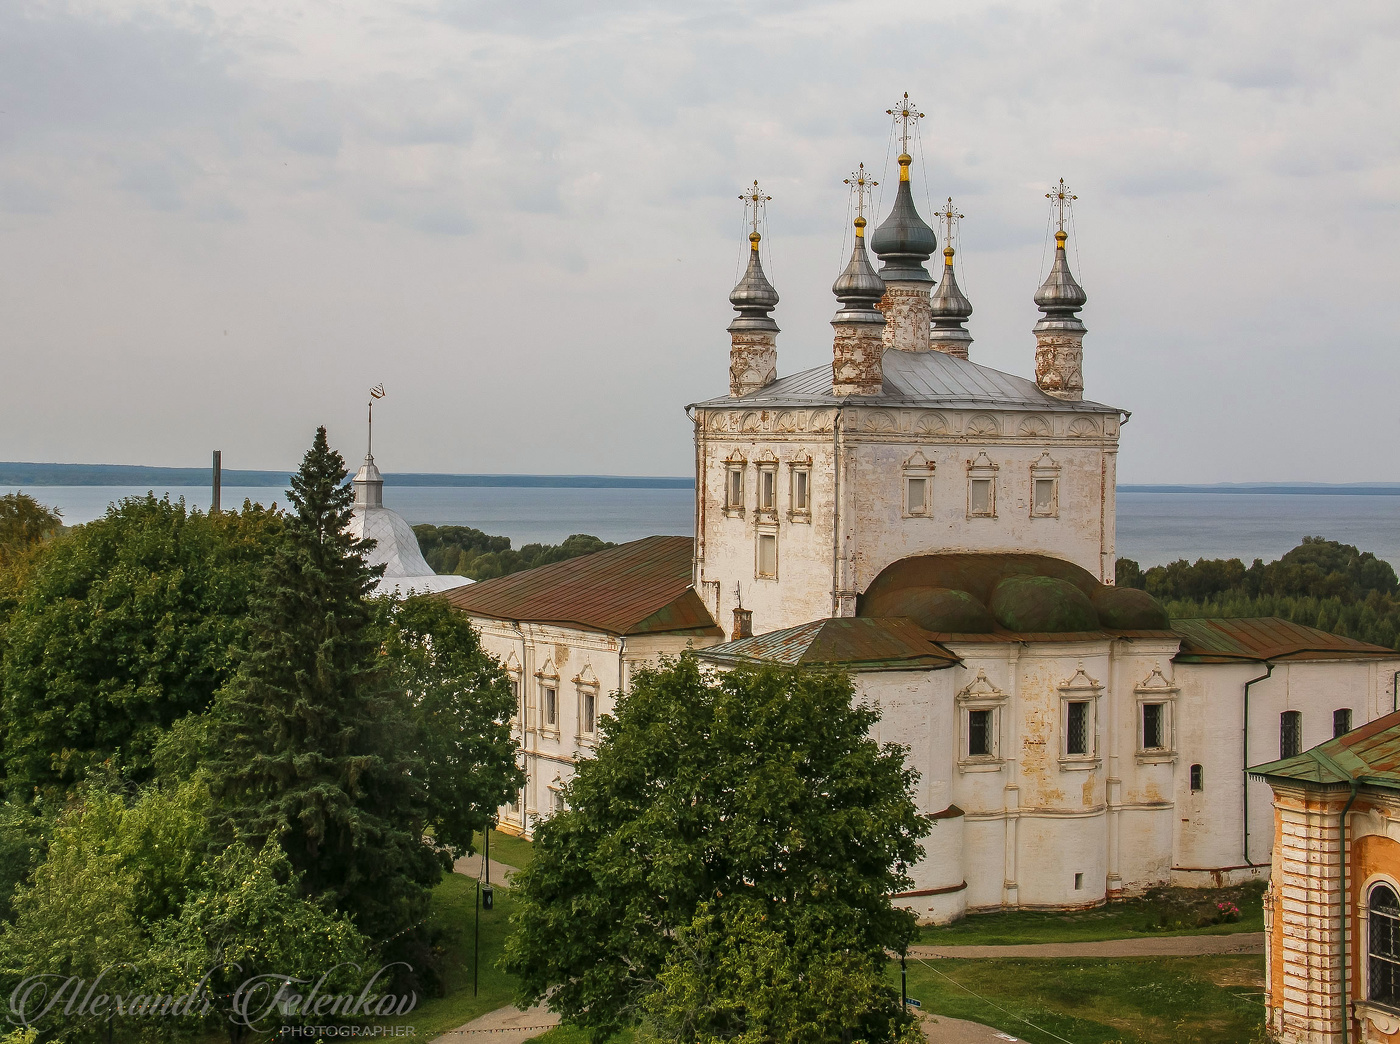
[1383, 947]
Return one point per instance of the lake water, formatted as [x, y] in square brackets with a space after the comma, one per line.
[1153, 528]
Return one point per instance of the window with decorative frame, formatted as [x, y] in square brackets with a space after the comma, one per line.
[768, 486]
[517, 691]
[556, 797]
[1079, 697]
[918, 486]
[1156, 718]
[1045, 488]
[548, 679]
[734, 467]
[979, 706]
[800, 489]
[586, 684]
[982, 487]
[1382, 915]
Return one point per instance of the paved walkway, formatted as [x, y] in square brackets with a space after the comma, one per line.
[1172, 946]
[508, 1025]
[471, 867]
[940, 1029]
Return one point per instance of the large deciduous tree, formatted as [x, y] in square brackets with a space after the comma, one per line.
[730, 831]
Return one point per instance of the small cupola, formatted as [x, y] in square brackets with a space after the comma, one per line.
[949, 308]
[753, 350]
[1059, 335]
[856, 367]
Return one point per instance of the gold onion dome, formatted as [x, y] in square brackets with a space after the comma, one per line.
[754, 297]
[1060, 297]
[904, 241]
[858, 288]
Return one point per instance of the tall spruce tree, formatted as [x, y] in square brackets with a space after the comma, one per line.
[315, 741]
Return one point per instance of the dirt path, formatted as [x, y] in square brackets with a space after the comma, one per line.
[940, 1029]
[508, 1025]
[1173, 946]
[471, 867]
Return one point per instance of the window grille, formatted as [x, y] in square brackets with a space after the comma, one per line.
[1383, 972]
[1077, 728]
[1197, 778]
[1290, 734]
[979, 733]
[1152, 726]
[1341, 722]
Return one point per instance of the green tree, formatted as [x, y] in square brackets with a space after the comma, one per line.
[24, 522]
[314, 743]
[463, 702]
[755, 794]
[120, 628]
[470, 552]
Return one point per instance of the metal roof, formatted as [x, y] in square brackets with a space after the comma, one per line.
[918, 378]
[1267, 638]
[854, 641]
[1369, 754]
[642, 587]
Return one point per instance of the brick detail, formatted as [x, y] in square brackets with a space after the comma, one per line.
[907, 316]
[753, 360]
[1059, 364]
[856, 365]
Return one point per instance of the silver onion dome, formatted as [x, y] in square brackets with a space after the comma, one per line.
[949, 306]
[858, 288]
[754, 297]
[904, 241]
[1060, 297]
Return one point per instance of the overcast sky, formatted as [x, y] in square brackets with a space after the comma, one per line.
[223, 220]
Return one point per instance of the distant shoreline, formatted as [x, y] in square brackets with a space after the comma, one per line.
[21, 474]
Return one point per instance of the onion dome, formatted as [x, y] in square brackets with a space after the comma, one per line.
[754, 297]
[903, 242]
[1060, 297]
[858, 288]
[949, 306]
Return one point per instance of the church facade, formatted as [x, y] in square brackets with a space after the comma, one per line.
[944, 532]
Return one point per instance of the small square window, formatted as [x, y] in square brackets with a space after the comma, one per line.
[768, 555]
[981, 502]
[1153, 726]
[1043, 497]
[1197, 779]
[801, 490]
[551, 705]
[588, 713]
[768, 489]
[1077, 728]
[1341, 722]
[916, 496]
[734, 489]
[979, 734]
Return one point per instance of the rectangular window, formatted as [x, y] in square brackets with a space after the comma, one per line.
[1341, 722]
[979, 733]
[556, 801]
[1078, 882]
[768, 489]
[1197, 778]
[734, 489]
[1044, 497]
[588, 713]
[916, 496]
[1153, 726]
[515, 697]
[1077, 728]
[980, 498]
[768, 555]
[551, 705]
[801, 493]
[1290, 734]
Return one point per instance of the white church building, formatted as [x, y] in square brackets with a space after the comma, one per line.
[943, 531]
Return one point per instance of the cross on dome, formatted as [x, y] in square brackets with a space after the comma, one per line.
[1059, 196]
[905, 112]
[949, 215]
[861, 183]
[754, 199]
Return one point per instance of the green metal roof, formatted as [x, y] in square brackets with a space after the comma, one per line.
[1267, 638]
[870, 644]
[1369, 754]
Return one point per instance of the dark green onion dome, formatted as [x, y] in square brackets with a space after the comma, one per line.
[858, 288]
[980, 593]
[903, 242]
[1042, 604]
[1128, 609]
[754, 297]
[934, 609]
[1060, 297]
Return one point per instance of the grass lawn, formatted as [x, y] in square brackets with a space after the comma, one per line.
[513, 851]
[1156, 1000]
[1167, 911]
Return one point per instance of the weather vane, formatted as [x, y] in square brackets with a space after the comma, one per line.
[1061, 196]
[754, 200]
[861, 183]
[949, 215]
[905, 112]
[377, 392]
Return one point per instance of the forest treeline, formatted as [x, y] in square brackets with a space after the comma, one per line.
[470, 552]
[1320, 583]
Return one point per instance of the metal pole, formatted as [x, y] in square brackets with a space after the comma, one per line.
[487, 834]
[476, 944]
[218, 480]
[903, 985]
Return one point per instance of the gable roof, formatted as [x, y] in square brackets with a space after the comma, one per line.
[847, 641]
[917, 378]
[1369, 754]
[641, 587]
[1267, 638]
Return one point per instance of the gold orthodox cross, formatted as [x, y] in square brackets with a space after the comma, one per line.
[861, 183]
[1059, 197]
[949, 215]
[754, 199]
[905, 112]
